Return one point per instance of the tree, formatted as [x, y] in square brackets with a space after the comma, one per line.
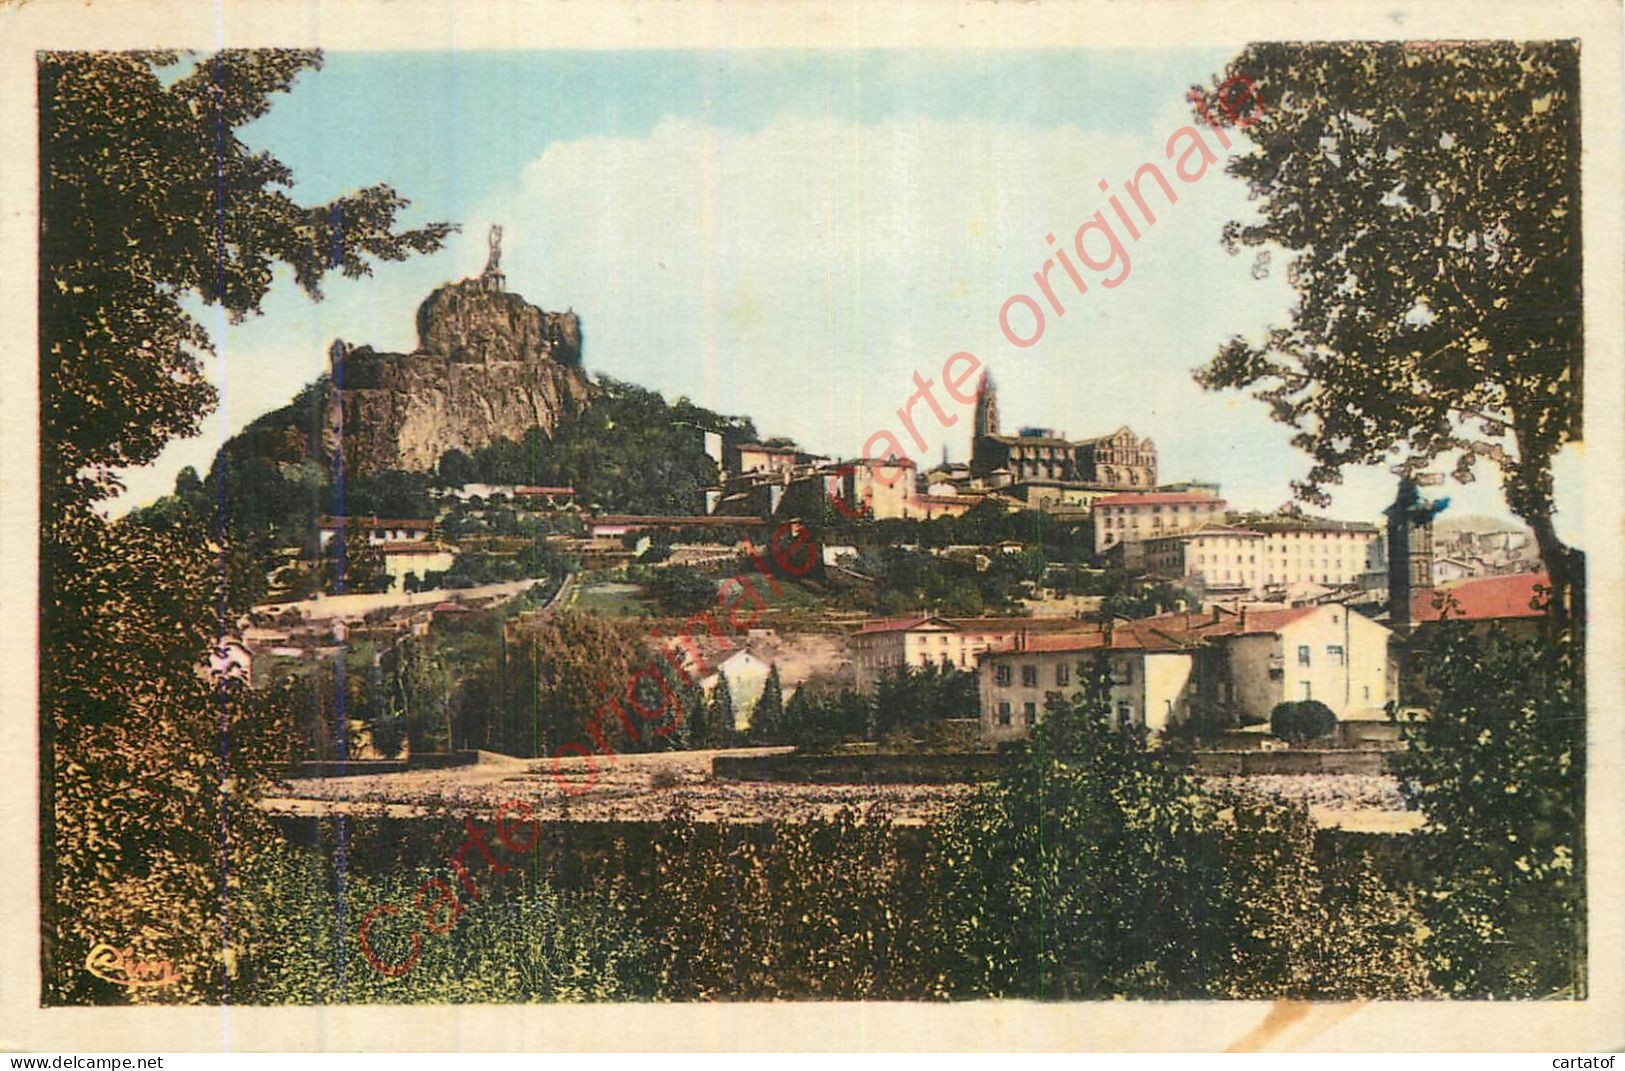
[148, 195]
[1096, 869]
[703, 732]
[352, 564]
[915, 695]
[1429, 195]
[1306, 719]
[148, 200]
[456, 468]
[682, 591]
[767, 719]
[418, 686]
[1497, 766]
[1089, 871]
[720, 711]
[567, 677]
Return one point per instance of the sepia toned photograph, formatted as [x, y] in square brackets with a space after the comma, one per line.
[535, 524]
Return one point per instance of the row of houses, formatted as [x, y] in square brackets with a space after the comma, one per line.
[1235, 662]
[1166, 670]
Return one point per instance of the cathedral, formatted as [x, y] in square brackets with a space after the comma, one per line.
[1118, 460]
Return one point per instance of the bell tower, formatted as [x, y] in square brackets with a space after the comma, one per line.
[987, 410]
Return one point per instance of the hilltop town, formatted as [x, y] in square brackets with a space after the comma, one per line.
[476, 674]
[470, 497]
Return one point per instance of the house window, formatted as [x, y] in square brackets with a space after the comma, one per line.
[1365, 691]
[1335, 653]
[1029, 714]
[1125, 715]
[1029, 676]
[1004, 713]
[1303, 655]
[1001, 676]
[1305, 686]
[1063, 675]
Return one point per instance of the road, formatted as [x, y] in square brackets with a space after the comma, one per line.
[329, 607]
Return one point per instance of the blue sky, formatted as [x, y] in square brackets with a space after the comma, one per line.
[792, 234]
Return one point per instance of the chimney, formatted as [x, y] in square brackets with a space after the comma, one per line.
[1244, 617]
[1216, 613]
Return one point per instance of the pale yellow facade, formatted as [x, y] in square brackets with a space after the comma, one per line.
[1226, 559]
[1149, 688]
[1333, 655]
[933, 642]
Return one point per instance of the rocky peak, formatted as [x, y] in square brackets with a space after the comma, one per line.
[469, 321]
[488, 365]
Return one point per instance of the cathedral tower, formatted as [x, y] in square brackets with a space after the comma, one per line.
[987, 410]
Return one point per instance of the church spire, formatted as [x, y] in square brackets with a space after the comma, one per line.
[987, 408]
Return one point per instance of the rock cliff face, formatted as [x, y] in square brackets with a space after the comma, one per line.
[488, 365]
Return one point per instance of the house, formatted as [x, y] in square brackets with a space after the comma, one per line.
[884, 487]
[928, 506]
[888, 644]
[747, 676]
[1512, 601]
[1216, 558]
[1327, 653]
[921, 640]
[379, 530]
[1152, 673]
[1270, 553]
[418, 559]
[1167, 668]
[1127, 519]
[1448, 569]
[755, 457]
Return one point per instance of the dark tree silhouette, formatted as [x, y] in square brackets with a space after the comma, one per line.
[1429, 197]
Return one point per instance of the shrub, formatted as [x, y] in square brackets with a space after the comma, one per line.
[297, 941]
[1309, 719]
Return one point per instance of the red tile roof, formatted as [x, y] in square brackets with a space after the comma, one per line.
[1155, 498]
[1165, 632]
[1125, 636]
[1486, 599]
[373, 522]
[420, 547]
[901, 624]
[672, 521]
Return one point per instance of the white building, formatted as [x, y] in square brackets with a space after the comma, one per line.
[747, 676]
[418, 559]
[1131, 518]
[380, 530]
[928, 640]
[1152, 672]
[1165, 669]
[1265, 555]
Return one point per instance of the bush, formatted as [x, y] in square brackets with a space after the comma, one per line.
[1309, 719]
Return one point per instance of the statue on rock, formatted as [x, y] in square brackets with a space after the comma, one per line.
[492, 278]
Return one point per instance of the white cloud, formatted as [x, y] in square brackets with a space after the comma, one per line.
[802, 272]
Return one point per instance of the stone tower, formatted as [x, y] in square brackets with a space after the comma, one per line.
[1410, 551]
[987, 411]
